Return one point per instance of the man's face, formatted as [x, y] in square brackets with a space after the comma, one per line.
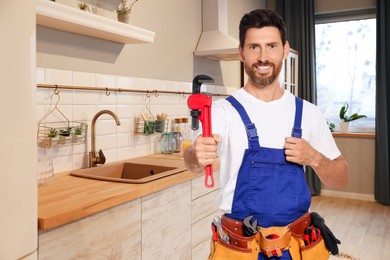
[263, 54]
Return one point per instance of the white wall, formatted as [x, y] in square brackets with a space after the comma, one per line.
[168, 63]
[360, 155]
[177, 24]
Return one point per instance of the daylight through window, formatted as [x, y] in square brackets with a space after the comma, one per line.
[346, 54]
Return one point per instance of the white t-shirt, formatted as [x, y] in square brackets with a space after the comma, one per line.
[274, 121]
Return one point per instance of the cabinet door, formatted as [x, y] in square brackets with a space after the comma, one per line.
[166, 223]
[289, 73]
[112, 234]
[204, 210]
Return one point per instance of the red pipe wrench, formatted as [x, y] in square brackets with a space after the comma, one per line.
[200, 105]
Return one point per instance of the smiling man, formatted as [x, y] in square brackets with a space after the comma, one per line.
[263, 137]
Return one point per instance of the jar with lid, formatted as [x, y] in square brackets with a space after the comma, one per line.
[176, 125]
[178, 141]
[167, 143]
[187, 134]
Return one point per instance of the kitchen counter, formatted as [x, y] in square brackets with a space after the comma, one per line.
[69, 198]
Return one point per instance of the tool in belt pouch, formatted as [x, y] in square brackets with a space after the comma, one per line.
[230, 243]
[235, 239]
[243, 240]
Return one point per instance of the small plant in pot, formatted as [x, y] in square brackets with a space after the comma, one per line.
[331, 126]
[83, 6]
[345, 119]
[77, 132]
[63, 134]
[123, 11]
[52, 134]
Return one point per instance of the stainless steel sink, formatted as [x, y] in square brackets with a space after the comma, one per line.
[128, 172]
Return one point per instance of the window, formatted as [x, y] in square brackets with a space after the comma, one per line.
[346, 57]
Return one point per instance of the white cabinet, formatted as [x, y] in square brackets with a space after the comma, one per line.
[61, 17]
[166, 224]
[174, 223]
[289, 73]
[112, 234]
[204, 210]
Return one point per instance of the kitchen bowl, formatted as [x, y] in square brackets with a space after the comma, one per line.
[128, 172]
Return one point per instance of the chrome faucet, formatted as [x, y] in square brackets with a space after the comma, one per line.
[100, 159]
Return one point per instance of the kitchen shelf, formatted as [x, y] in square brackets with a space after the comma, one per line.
[43, 140]
[61, 17]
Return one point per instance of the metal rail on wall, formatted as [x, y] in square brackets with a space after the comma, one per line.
[109, 90]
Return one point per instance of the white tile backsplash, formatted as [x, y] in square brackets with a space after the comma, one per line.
[40, 76]
[86, 97]
[105, 81]
[117, 142]
[142, 84]
[58, 77]
[83, 79]
[155, 84]
[124, 82]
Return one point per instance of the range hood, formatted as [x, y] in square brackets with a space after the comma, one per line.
[214, 42]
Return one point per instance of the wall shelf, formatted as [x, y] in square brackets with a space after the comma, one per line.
[61, 17]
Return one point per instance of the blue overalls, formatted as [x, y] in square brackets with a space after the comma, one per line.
[269, 187]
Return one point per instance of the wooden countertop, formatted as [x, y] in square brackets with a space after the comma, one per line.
[69, 198]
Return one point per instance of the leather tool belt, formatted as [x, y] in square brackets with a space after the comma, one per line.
[272, 241]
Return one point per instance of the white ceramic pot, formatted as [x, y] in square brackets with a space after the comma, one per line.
[344, 127]
[124, 18]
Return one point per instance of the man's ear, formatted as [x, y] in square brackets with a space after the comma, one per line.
[241, 54]
[286, 50]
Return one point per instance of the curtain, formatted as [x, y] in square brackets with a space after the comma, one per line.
[382, 145]
[299, 18]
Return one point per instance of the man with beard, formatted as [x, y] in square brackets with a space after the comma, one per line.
[264, 135]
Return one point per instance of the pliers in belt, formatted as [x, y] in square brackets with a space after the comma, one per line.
[250, 229]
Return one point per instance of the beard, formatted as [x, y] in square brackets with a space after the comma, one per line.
[259, 79]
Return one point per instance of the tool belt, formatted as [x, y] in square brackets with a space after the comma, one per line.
[234, 243]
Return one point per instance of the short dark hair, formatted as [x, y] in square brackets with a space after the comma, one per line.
[260, 18]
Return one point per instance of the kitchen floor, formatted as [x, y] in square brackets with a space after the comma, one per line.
[362, 226]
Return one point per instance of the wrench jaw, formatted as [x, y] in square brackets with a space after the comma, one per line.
[250, 228]
[195, 121]
[198, 102]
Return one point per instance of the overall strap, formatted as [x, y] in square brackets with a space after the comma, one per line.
[297, 130]
[251, 131]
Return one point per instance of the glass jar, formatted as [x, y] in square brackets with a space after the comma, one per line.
[186, 133]
[178, 141]
[45, 172]
[167, 143]
[176, 125]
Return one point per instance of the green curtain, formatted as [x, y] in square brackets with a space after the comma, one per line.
[299, 18]
[382, 145]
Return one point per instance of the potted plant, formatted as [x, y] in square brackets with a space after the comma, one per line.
[331, 126]
[83, 6]
[52, 134]
[123, 10]
[77, 132]
[63, 134]
[345, 119]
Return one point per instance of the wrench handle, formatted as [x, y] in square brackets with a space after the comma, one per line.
[206, 129]
[209, 178]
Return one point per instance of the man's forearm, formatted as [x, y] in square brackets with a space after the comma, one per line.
[333, 173]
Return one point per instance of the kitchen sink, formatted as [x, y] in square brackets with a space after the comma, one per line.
[128, 172]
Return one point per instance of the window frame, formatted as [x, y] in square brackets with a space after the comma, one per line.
[345, 16]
